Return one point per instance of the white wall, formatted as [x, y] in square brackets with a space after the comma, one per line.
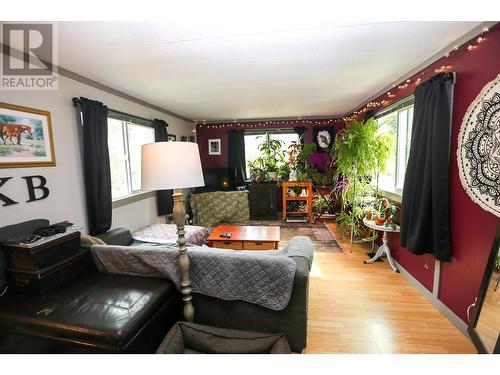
[65, 181]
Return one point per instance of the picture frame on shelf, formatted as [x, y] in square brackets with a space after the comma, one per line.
[25, 137]
[214, 147]
[171, 138]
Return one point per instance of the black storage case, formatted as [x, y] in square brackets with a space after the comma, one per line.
[44, 281]
[45, 255]
[263, 201]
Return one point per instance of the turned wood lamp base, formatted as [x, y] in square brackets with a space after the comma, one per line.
[179, 214]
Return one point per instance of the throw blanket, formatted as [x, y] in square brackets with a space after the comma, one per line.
[167, 234]
[252, 276]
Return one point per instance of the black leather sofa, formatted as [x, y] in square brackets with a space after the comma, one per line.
[107, 313]
[95, 313]
[241, 315]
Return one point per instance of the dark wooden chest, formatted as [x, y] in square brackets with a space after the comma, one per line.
[263, 201]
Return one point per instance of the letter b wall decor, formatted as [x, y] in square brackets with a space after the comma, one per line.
[36, 186]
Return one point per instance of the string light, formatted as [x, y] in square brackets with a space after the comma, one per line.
[269, 123]
[355, 114]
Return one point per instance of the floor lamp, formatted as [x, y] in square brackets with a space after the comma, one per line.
[174, 165]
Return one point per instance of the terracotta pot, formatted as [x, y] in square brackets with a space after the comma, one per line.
[379, 221]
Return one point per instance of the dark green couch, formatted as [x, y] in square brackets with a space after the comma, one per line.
[241, 315]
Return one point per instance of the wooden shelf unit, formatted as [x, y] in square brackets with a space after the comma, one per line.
[290, 185]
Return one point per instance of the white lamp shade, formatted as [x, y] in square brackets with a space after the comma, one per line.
[171, 165]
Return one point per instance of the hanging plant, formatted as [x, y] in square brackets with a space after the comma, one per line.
[360, 148]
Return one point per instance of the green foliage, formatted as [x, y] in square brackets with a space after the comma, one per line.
[272, 158]
[360, 148]
[360, 153]
[305, 152]
[320, 204]
[497, 262]
[347, 222]
[38, 131]
[7, 119]
[256, 172]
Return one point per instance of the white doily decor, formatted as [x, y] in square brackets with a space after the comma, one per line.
[479, 149]
[324, 139]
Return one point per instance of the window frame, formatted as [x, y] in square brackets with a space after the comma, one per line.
[125, 118]
[257, 132]
[399, 106]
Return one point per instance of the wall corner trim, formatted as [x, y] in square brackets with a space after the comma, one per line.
[110, 90]
[440, 306]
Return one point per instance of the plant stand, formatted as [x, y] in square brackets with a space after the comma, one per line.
[384, 249]
[306, 212]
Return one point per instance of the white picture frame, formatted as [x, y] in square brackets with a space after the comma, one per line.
[214, 147]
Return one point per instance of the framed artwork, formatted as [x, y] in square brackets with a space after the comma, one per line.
[184, 138]
[171, 138]
[214, 147]
[324, 137]
[192, 139]
[25, 137]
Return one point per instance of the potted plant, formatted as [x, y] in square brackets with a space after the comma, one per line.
[360, 151]
[382, 212]
[272, 156]
[256, 172]
[304, 168]
[292, 159]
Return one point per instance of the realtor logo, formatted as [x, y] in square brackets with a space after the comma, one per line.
[29, 56]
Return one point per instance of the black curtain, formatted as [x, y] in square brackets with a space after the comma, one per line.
[236, 154]
[425, 212]
[300, 130]
[96, 167]
[164, 200]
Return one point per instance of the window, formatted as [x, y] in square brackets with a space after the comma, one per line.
[397, 122]
[125, 138]
[253, 140]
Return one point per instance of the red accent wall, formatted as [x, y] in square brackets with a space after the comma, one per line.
[472, 228]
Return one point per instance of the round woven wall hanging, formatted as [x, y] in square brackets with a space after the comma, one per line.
[479, 149]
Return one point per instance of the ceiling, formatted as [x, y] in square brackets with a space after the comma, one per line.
[237, 69]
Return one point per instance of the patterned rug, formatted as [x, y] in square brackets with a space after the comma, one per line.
[323, 240]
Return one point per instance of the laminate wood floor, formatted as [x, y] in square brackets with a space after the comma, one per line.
[360, 308]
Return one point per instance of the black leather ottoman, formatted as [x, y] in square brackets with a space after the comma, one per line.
[97, 313]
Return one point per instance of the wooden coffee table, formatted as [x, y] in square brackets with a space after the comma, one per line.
[246, 237]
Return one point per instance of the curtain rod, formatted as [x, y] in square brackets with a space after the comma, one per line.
[77, 102]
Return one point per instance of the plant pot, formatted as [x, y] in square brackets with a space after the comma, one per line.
[379, 221]
[272, 175]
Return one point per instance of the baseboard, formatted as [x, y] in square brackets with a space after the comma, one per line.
[440, 306]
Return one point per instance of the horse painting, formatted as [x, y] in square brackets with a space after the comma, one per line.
[14, 131]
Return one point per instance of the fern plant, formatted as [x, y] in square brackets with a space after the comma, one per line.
[360, 148]
[360, 152]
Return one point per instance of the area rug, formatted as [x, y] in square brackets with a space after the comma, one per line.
[478, 150]
[323, 240]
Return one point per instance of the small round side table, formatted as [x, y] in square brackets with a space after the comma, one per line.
[384, 248]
